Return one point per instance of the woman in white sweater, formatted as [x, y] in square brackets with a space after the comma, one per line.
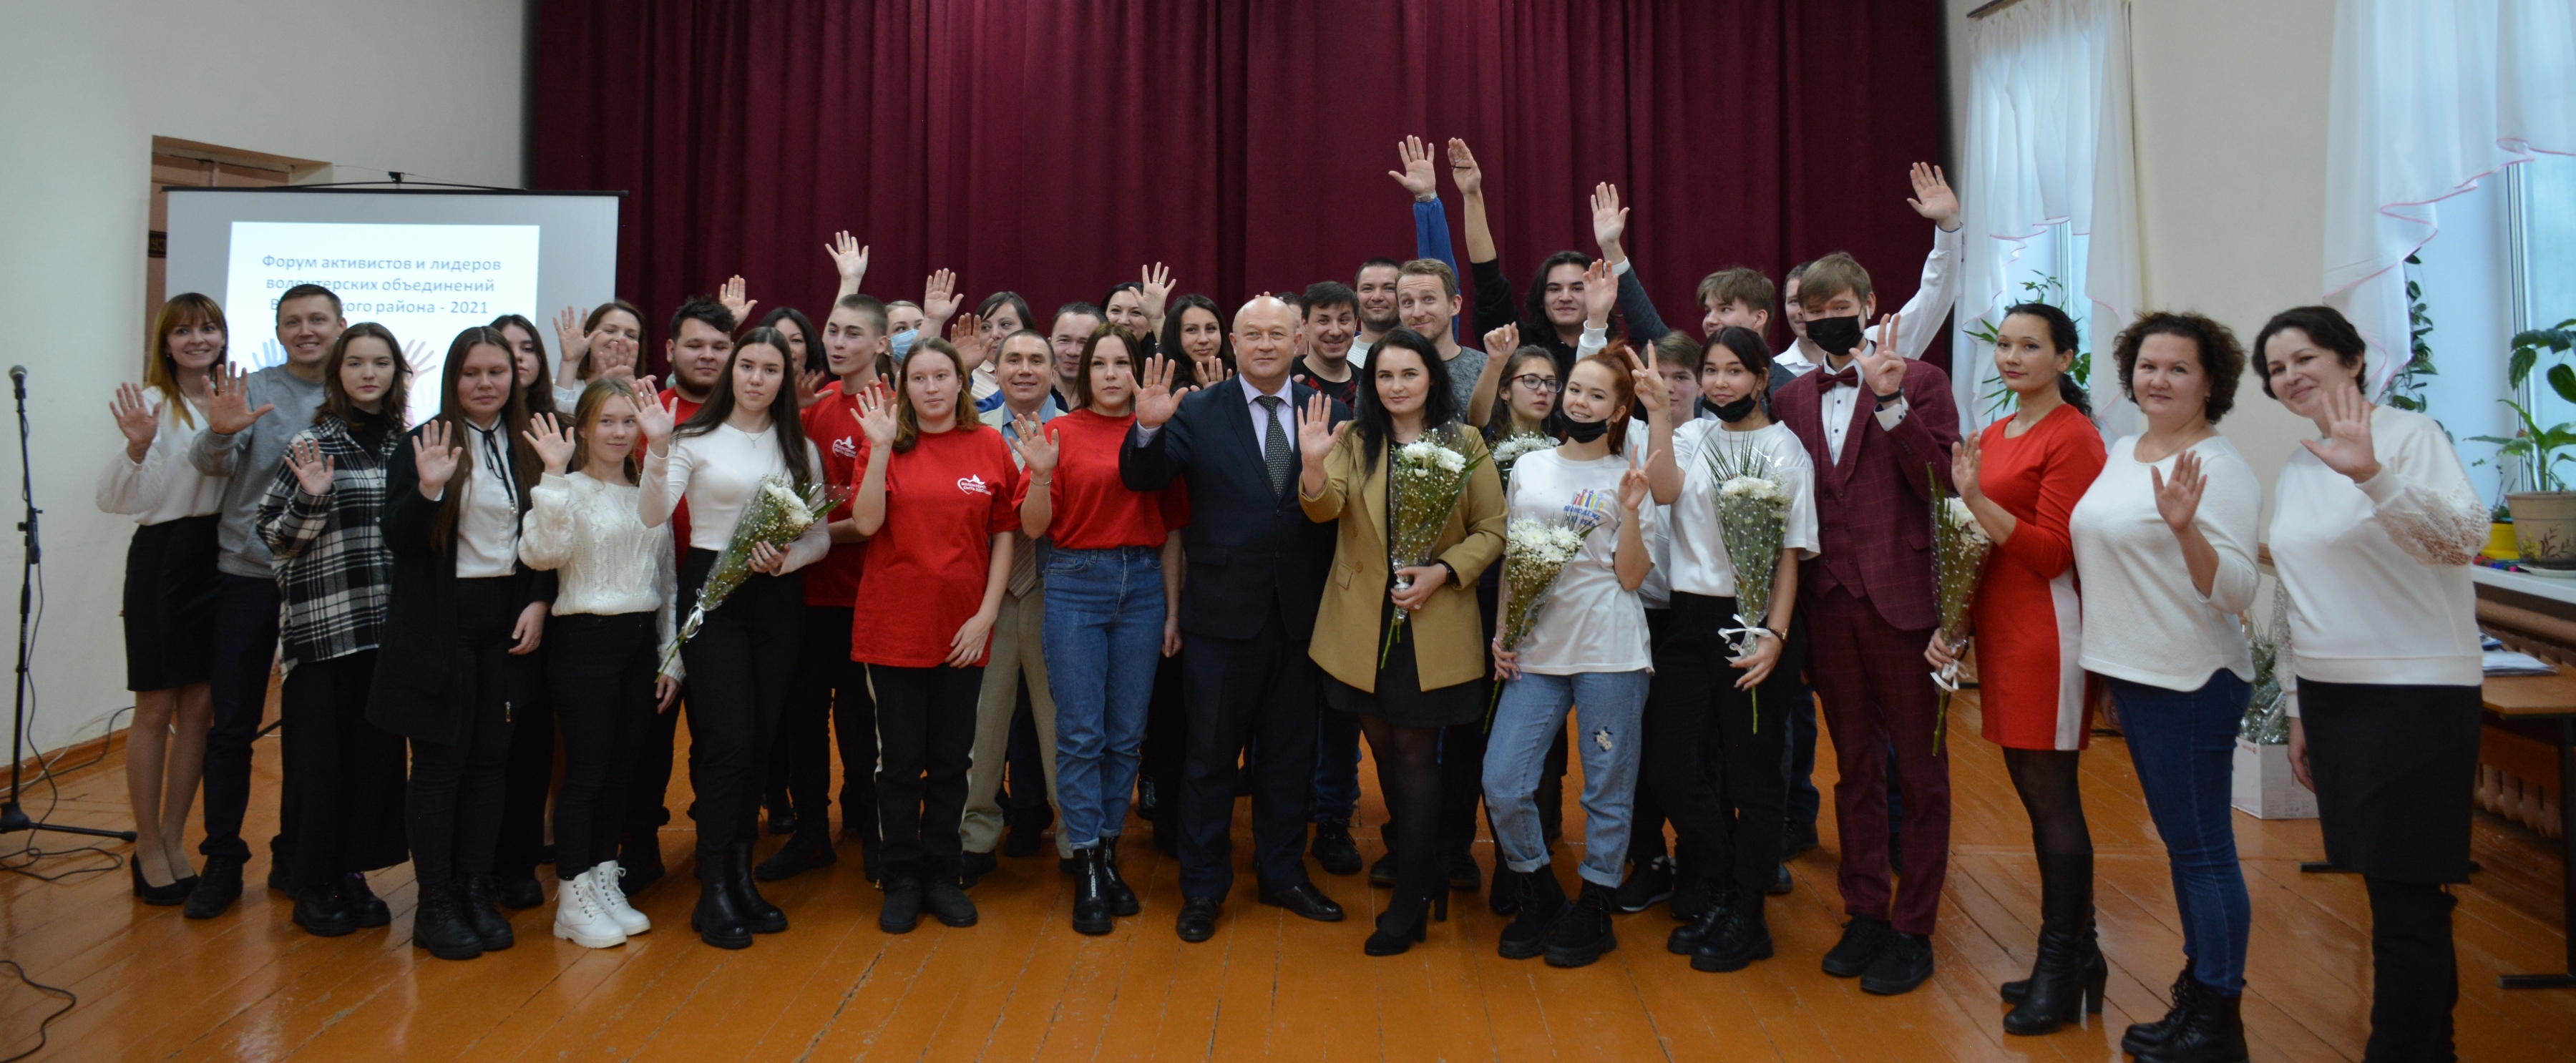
[2373, 529]
[611, 630]
[745, 653]
[169, 587]
[2164, 541]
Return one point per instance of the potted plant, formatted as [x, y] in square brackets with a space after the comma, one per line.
[2544, 518]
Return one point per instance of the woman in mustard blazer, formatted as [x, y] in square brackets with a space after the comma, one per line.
[1429, 672]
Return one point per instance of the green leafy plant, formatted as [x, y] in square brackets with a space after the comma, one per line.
[2047, 289]
[2540, 450]
[2406, 388]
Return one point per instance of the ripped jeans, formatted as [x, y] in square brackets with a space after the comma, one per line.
[1608, 708]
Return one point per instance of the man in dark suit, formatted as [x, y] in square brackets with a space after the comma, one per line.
[1256, 577]
[1879, 428]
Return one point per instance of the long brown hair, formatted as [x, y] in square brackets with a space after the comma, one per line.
[335, 395]
[1623, 389]
[525, 468]
[585, 413]
[541, 391]
[907, 424]
[784, 422]
[160, 369]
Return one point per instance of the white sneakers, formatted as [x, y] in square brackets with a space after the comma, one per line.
[581, 919]
[610, 895]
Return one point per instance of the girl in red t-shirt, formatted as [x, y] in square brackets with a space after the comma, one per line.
[1111, 580]
[938, 501]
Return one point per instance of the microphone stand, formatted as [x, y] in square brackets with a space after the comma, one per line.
[13, 818]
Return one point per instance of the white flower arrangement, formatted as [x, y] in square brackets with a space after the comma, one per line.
[1510, 451]
[776, 514]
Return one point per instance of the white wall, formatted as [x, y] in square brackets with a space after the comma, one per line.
[2230, 116]
[428, 88]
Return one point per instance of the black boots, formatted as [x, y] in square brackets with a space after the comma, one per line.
[758, 914]
[1406, 921]
[1113, 885]
[1334, 849]
[1091, 913]
[319, 910]
[477, 898]
[439, 924]
[2145, 1035]
[2066, 983]
[2210, 1029]
[1728, 936]
[1541, 902]
[1583, 933]
[902, 911]
[718, 919]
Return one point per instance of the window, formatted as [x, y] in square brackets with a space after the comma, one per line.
[2504, 261]
[2049, 269]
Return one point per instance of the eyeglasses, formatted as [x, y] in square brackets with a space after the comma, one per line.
[1535, 382]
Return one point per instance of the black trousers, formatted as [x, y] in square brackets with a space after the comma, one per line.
[739, 664]
[528, 776]
[827, 707]
[649, 784]
[599, 676]
[2415, 974]
[343, 791]
[1260, 689]
[245, 653]
[1165, 758]
[925, 739]
[1730, 824]
[456, 786]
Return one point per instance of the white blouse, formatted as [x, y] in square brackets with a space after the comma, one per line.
[2378, 572]
[716, 473]
[487, 525]
[591, 533]
[164, 486]
[2143, 620]
[1700, 564]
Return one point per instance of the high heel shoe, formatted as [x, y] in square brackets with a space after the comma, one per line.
[175, 893]
[1411, 920]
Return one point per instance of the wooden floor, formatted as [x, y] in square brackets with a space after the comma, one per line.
[1022, 985]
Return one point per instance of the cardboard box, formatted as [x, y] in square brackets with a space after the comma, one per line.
[2264, 786]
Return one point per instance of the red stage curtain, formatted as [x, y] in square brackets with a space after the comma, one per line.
[1052, 146]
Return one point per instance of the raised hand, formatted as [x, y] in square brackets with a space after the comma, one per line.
[849, 259]
[939, 296]
[570, 339]
[2348, 448]
[732, 298]
[137, 419]
[2178, 499]
[1882, 367]
[1634, 490]
[1654, 396]
[655, 420]
[228, 401]
[967, 335]
[553, 441]
[1600, 293]
[434, 453]
[1036, 443]
[1609, 219]
[1316, 432]
[1156, 402]
[1932, 197]
[1501, 342]
[616, 358]
[1416, 175]
[1157, 284]
[1967, 458]
[877, 415]
[311, 467]
[1210, 370]
[1463, 171]
[809, 387]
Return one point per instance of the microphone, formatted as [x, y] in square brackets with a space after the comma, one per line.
[18, 379]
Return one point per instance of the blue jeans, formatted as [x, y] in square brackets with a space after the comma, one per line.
[1608, 707]
[1103, 640]
[2184, 745]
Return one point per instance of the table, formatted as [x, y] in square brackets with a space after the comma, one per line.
[2550, 698]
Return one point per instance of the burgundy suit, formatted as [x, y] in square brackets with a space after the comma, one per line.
[1870, 607]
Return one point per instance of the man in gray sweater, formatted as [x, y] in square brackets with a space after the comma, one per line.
[249, 420]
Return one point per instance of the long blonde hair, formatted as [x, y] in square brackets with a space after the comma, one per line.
[160, 369]
[585, 413]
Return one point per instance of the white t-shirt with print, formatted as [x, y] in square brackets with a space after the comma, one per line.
[1590, 622]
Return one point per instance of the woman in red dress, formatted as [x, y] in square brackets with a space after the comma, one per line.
[2021, 478]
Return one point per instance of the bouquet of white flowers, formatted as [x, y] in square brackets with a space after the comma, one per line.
[1535, 553]
[1752, 519]
[1430, 475]
[777, 514]
[1959, 546]
[2267, 713]
[1508, 452]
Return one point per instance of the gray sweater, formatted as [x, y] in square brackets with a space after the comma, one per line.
[251, 458]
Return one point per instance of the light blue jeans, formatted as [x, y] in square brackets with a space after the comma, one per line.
[1103, 639]
[1608, 707]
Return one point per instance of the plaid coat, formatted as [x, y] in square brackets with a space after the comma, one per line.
[329, 550]
[1873, 508]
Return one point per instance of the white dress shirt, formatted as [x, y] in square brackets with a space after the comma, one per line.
[487, 525]
[1838, 402]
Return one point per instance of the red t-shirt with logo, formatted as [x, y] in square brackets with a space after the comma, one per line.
[832, 425]
[1094, 510]
[926, 568]
[680, 511]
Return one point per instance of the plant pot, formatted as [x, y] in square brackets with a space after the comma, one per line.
[2544, 528]
[2500, 542]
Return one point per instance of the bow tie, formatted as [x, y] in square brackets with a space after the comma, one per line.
[1847, 377]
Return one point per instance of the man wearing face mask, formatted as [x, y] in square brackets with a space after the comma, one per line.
[1879, 428]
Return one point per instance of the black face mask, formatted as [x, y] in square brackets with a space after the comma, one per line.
[1837, 336]
[1733, 411]
[1585, 431]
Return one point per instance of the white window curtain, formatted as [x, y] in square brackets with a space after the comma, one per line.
[2428, 97]
[2049, 144]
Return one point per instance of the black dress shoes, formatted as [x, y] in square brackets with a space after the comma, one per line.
[1198, 918]
[319, 911]
[1304, 899]
[1902, 964]
[218, 886]
[366, 910]
[1863, 937]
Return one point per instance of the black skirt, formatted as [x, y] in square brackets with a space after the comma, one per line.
[2396, 770]
[170, 604]
[1399, 698]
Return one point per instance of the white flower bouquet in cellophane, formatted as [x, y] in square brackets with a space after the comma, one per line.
[777, 514]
